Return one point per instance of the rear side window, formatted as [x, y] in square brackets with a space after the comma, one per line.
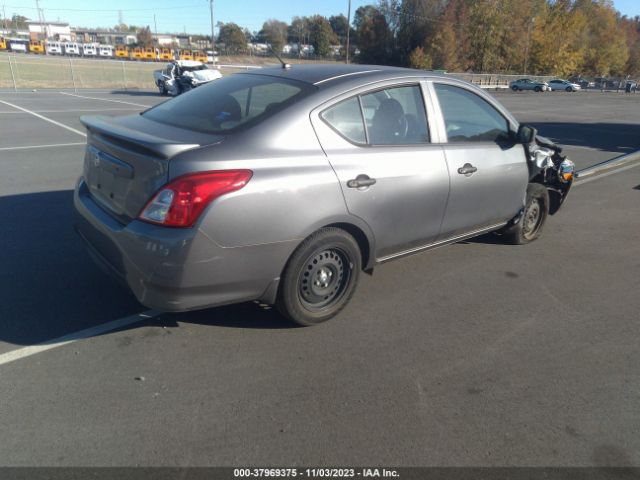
[346, 119]
[231, 103]
[393, 116]
[470, 118]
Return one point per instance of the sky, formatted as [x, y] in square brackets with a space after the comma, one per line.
[173, 16]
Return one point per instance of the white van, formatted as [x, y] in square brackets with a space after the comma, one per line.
[53, 48]
[71, 48]
[90, 49]
[105, 51]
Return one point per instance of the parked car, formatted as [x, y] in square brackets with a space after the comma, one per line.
[282, 185]
[179, 76]
[631, 87]
[583, 82]
[565, 85]
[528, 84]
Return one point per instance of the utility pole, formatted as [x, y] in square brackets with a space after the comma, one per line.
[526, 53]
[40, 15]
[155, 28]
[4, 20]
[213, 41]
[348, 28]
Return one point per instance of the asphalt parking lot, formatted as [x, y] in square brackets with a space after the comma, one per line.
[479, 354]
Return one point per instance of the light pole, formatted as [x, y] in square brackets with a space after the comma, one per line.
[348, 28]
[213, 41]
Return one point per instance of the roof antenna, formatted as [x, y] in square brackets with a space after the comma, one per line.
[286, 66]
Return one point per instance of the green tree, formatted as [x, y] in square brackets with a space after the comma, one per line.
[232, 36]
[274, 32]
[373, 35]
[321, 35]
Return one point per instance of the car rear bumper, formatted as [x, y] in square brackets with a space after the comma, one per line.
[174, 269]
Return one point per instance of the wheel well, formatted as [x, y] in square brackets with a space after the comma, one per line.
[361, 238]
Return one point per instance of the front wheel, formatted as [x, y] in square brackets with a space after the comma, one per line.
[537, 89]
[569, 89]
[162, 89]
[320, 277]
[535, 214]
[514, 88]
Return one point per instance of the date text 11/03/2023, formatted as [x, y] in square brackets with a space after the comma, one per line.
[315, 472]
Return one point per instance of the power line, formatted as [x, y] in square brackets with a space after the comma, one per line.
[106, 9]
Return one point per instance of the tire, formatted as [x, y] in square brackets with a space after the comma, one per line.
[569, 89]
[514, 88]
[537, 89]
[536, 211]
[320, 277]
[162, 89]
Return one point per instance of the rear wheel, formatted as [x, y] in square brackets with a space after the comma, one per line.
[320, 277]
[537, 89]
[535, 214]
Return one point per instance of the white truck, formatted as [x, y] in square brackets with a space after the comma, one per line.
[180, 76]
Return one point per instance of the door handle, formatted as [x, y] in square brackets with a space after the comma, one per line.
[467, 169]
[361, 181]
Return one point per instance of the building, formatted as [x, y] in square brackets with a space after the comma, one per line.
[49, 30]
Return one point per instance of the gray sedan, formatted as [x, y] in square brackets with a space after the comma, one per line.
[282, 185]
[528, 84]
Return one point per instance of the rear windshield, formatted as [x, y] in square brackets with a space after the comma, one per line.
[230, 103]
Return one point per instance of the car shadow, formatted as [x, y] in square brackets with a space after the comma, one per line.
[611, 137]
[50, 287]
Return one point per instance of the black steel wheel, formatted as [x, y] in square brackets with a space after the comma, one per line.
[529, 225]
[320, 277]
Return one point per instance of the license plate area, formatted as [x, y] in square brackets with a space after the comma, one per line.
[108, 179]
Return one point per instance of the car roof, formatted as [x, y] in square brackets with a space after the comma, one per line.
[322, 75]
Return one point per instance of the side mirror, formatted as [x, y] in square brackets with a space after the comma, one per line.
[525, 134]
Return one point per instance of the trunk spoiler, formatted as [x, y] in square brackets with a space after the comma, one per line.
[108, 129]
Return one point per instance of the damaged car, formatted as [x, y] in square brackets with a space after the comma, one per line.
[180, 76]
[283, 185]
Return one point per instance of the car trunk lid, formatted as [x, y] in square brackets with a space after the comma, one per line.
[127, 160]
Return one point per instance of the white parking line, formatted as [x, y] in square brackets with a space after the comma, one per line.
[81, 110]
[24, 352]
[105, 100]
[45, 118]
[41, 146]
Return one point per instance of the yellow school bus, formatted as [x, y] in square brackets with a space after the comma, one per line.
[200, 56]
[3, 43]
[36, 46]
[165, 54]
[122, 51]
[149, 54]
[136, 54]
[186, 55]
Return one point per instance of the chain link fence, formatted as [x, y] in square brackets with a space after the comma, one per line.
[19, 72]
[26, 71]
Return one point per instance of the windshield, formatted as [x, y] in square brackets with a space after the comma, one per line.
[229, 103]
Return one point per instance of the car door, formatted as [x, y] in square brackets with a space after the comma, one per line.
[392, 177]
[488, 170]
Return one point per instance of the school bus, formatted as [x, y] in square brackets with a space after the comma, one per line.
[165, 54]
[186, 55]
[122, 51]
[200, 56]
[149, 54]
[36, 46]
[136, 54]
[3, 43]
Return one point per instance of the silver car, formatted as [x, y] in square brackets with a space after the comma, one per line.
[565, 85]
[528, 84]
[282, 185]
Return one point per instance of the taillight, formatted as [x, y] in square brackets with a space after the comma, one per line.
[180, 203]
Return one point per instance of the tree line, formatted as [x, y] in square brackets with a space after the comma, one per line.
[544, 37]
